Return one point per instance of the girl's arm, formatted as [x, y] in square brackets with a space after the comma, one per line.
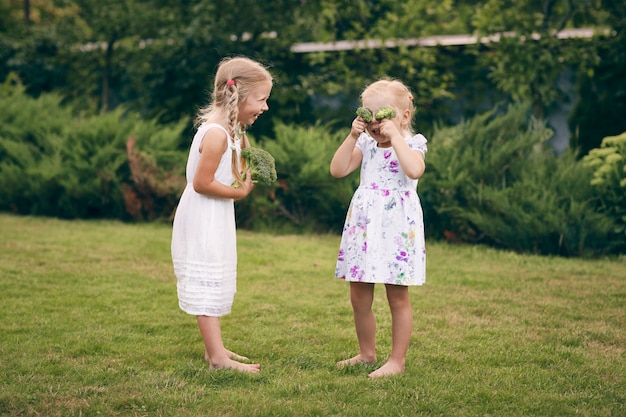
[213, 146]
[348, 157]
[411, 162]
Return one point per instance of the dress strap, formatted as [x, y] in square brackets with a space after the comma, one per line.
[210, 126]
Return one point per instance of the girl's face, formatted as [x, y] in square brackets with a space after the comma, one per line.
[255, 104]
[373, 103]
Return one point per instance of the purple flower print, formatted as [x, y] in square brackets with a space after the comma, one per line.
[402, 256]
[393, 166]
[387, 154]
[361, 274]
[384, 192]
[340, 256]
[354, 271]
[374, 186]
[364, 247]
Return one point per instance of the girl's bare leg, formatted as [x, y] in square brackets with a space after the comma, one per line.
[401, 329]
[216, 354]
[362, 297]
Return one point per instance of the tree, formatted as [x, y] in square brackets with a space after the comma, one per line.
[341, 75]
[602, 86]
[529, 56]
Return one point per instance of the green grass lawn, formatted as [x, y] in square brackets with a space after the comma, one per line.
[90, 326]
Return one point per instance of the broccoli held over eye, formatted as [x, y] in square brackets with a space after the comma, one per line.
[364, 114]
[385, 113]
[382, 113]
[261, 164]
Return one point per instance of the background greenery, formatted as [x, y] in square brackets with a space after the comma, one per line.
[97, 101]
[90, 327]
[157, 57]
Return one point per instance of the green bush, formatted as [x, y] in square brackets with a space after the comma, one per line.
[306, 197]
[31, 137]
[492, 180]
[608, 181]
[56, 163]
[548, 210]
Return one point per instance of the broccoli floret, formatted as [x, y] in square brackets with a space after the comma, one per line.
[364, 114]
[261, 164]
[385, 113]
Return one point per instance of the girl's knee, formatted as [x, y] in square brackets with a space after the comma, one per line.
[398, 297]
[361, 293]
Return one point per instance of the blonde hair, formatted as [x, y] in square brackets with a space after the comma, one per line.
[235, 79]
[400, 98]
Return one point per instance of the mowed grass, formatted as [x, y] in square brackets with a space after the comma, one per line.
[90, 326]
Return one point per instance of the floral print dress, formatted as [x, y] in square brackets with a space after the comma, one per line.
[383, 235]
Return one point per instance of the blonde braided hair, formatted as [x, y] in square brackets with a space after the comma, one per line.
[235, 79]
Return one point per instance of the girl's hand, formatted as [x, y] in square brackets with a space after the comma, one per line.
[389, 129]
[246, 188]
[358, 127]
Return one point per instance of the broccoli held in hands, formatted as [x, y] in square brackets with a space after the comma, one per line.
[261, 164]
[382, 113]
[364, 114]
[385, 113]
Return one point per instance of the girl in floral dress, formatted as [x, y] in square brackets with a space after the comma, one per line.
[383, 236]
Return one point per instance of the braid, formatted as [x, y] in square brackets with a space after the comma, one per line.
[232, 111]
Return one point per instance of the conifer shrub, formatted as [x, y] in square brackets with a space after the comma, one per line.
[31, 136]
[493, 180]
[305, 198]
[56, 162]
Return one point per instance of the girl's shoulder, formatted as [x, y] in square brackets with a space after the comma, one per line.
[364, 140]
[212, 132]
[418, 142]
[206, 126]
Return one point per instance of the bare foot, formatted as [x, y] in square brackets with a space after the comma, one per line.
[235, 356]
[253, 368]
[390, 368]
[230, 354]
[357, 359]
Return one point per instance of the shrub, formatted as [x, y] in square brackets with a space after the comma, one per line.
[608, 181]
[31, 135]
[306, 197]
[492, 180]
[55, 163]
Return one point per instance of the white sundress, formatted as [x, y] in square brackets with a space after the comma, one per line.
[383, 235]
[204, 247]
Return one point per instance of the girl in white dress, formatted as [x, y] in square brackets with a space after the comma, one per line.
[383, 236]
[204, 251]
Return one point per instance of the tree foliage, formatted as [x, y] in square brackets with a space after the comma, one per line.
[529, 55]
[158, 57]
[602, 86]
